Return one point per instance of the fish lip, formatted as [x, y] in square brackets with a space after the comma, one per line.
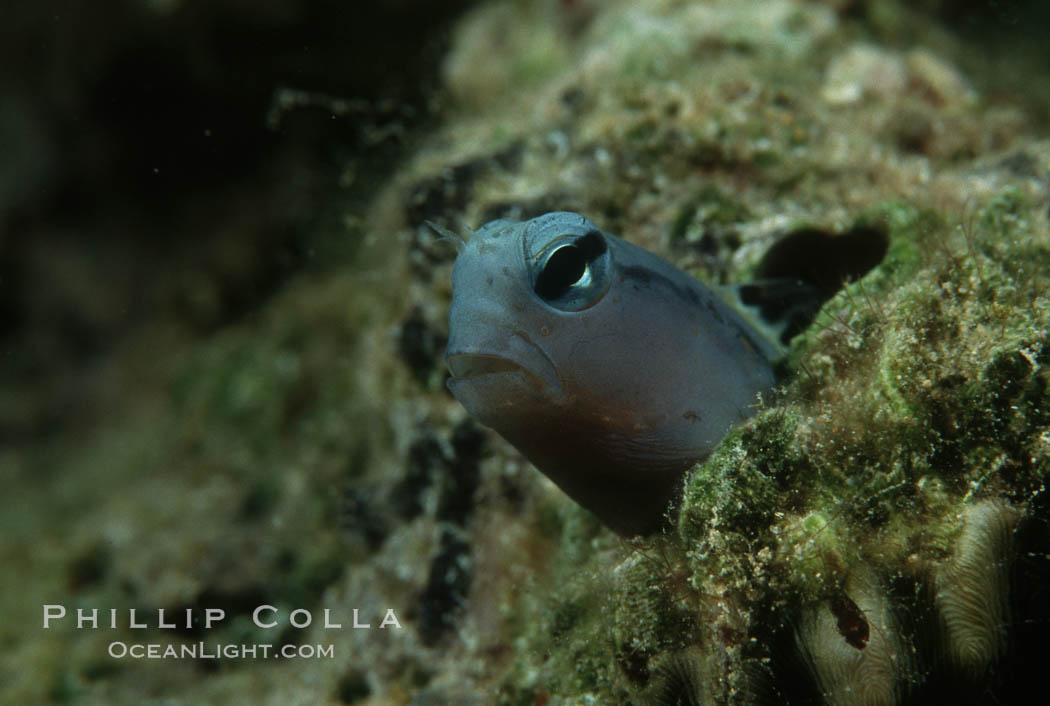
[471, 366]
[520, 357]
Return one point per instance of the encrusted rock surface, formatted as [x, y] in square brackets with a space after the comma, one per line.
[877, 532]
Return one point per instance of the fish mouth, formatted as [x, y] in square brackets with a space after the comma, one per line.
[515, 360]
[484, 382]
[470, 366]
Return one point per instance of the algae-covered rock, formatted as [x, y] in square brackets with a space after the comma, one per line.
[875, 532]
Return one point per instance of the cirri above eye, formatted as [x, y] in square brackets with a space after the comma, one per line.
[575, 272]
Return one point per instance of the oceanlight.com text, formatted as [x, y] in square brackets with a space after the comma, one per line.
[206, 650]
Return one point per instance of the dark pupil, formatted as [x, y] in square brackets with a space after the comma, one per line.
[563, 269]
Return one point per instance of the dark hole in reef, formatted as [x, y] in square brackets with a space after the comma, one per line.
[806, 268]
[425, 455]
[459, 485]
[358, 516]
[823, 259]
[446, 591]
[353, 687]
[634, 663]
[91, 568]
[420, 345]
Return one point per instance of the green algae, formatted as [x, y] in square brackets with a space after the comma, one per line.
[709, 211]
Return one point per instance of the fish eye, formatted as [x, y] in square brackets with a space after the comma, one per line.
[566, 266]
[574, 274]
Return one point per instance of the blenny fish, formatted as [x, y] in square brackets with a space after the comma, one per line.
[610, 369]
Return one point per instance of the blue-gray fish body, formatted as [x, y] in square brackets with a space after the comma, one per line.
[611, 370]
